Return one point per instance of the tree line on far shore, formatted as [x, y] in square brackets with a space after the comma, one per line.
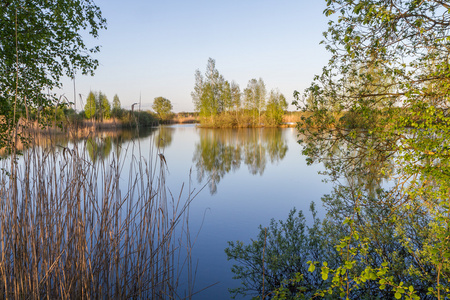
[97, 106]
[100, 111]
[221, 103]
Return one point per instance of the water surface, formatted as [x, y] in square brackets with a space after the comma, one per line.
[242, 178]
[249, 176]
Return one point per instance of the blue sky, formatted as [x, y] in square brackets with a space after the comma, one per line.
[152, 48]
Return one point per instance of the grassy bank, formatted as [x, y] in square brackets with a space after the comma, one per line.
[244, 120]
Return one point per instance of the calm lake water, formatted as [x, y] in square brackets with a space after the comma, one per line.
[245, 177]
[249, 176]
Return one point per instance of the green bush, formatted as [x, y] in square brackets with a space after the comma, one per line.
[279, 253]
[351, 251]
[145, 119]
[140, 118]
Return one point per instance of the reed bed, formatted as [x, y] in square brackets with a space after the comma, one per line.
[74, 229]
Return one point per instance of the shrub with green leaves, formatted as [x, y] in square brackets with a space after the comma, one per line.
[281, 252]
[384, 96]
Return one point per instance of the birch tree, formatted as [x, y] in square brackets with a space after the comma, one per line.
[41, 41]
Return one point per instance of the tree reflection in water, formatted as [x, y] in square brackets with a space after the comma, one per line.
[164, 136]
[223, 150]
[100, 145]
[348, 163]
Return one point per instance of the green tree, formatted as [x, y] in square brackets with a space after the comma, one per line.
[250, 97]
[255, 99]
[212, 97]
[163, 107]
[227, 103]
[276, 107]
[235, 96]
[41, 41]
[116, 107]
[198, 91]
[105, 106]
[212, 93]
[261, 98]
[385, 94]
[116, 102]
[90, 107]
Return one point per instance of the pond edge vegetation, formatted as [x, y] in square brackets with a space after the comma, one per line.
[378, 118]
[70, 228]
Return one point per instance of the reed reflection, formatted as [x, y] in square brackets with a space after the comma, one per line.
[223, 150]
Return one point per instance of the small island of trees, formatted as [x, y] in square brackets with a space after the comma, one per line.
[220, 103]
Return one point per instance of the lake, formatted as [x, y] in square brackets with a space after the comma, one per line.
[249, 176]
[241, 178]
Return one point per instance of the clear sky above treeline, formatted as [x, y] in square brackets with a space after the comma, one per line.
[152, 48]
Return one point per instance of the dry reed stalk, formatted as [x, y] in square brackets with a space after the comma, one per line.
[68, 230]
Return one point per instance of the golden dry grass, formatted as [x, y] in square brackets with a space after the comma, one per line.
[73, 229]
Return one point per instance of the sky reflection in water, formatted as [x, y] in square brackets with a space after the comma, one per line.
[248, 176]
[251, 176]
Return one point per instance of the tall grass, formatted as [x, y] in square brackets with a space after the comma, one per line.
[73, 229]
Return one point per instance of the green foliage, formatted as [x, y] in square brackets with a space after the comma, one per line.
[380, 110]
[235, 96]
[212, 94]
[363, 257]
[363, 273]
[163, 108]
[142, 119]
[105, 107]
[285, 291]
[97, 106]
[90, 107]
[117, 111]
[276, 106]
[267, 265]
[116, 102]
[59, 115]
[219, 102]
[72, 117]
[40, 42]
[255, 99]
